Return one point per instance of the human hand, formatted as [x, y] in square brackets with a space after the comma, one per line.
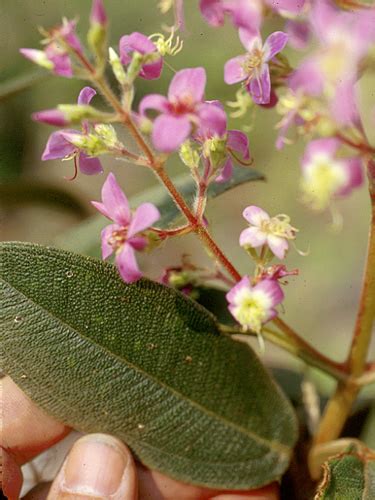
[98, 465]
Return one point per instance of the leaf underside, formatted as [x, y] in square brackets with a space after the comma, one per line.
[141, 362]
[349, 476]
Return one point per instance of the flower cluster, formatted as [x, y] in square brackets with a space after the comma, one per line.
[317, 100]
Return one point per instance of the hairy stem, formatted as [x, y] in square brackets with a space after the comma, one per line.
[339, 407]
[291, 342]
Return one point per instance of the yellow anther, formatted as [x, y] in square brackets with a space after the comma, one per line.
[167, 46]
[242, 103]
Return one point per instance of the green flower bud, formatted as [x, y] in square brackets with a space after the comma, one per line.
[188, 155]
[117, 67]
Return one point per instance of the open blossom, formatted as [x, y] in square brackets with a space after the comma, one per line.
[126, 235]
[252, 68]
[219, 144]
[325, 176]
[265, 230]
[243, 13]
[55, 56]
[60, 147]
[344, 39]
[137, 42]
[179, 112]
[252, 306]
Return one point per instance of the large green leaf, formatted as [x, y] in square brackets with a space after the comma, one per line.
[144, 363]
[349, 476]
[85, 238]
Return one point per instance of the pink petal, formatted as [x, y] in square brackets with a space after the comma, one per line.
[212, 11]
[252, 237]
[101, 208]
[272, 289]
[89, 165]
[226, 172]
[213, 120]
[318, 146]
[243, 283]
[308, 77]
[145, 215]
[234, 71]
[98, 14]
[354, 171]
[50, 117]
[127, 264]
[57, 147]
[106, 233]
[86, 94]
[137, 242]
[278, 245]
[188, 82]
[275, 44]
[260, 86]
[250, 39]
[170, 132]
[115, 202]
[255, 215]
[299, 33]
[245, 14]
[152, 71]
[135, 42]
[344, 105]
[287, 6]
[153, 101]
[239, 142]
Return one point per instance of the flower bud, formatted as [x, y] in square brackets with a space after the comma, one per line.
[188, 155]
[51, 117]
[97, 34]
[215, 150]
[135, 66]
[98, 14]
[38, 57]
[117, 67]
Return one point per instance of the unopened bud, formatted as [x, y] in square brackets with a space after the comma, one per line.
[135, 66]
[188, 155]
[76, 113]
[38, 57]
[117, 67]
[51, 117]
[98, 14]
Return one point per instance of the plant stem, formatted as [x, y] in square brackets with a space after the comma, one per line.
[339, 407]
[312, 356]
[291, 341]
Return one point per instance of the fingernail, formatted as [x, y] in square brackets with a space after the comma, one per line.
[95, 466]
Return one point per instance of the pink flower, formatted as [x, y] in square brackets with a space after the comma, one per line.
[264, 230]
[126, 235]
[137, 42]
[179, 112]
[219, 144]
[244, 13]
[253, 306]
[253, 66]
[59, 146]
[54, 56]
[325, 176]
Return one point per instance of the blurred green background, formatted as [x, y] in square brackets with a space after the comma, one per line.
[39, 205]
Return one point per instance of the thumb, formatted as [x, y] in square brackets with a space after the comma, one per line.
[98, 466]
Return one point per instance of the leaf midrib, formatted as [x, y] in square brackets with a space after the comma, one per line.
[273, 445]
